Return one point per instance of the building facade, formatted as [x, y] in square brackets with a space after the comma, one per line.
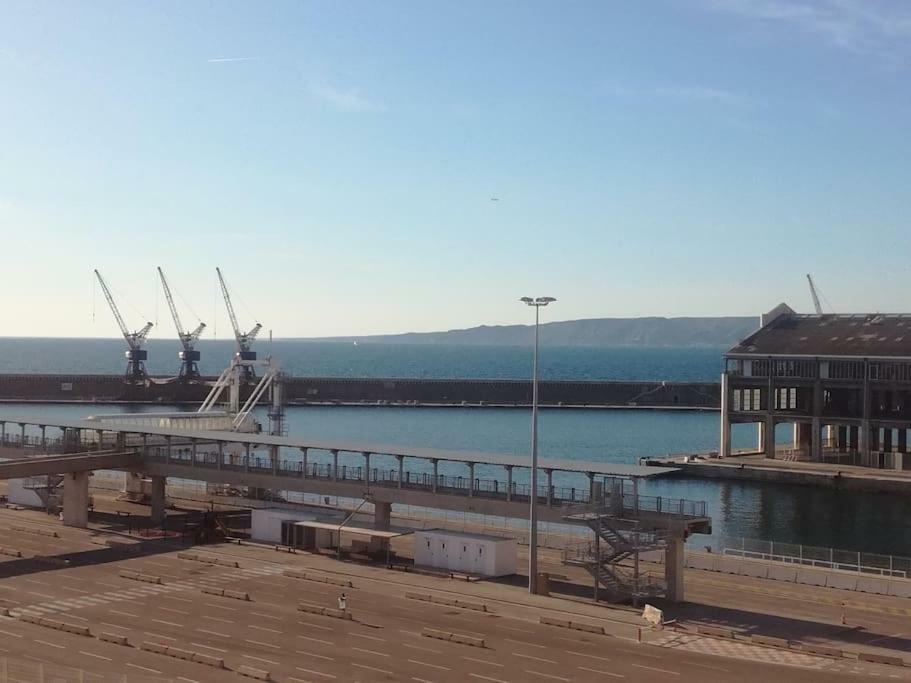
[842, 381]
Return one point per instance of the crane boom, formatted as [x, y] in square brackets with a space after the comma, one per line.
[244, 339]
[167, 295]
[189, 356]
[814, 294]
[110, 297]
[136, 355]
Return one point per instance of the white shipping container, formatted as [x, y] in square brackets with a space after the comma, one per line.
[266, 523]
[464, 552]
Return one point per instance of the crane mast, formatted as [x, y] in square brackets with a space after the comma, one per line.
[189, 356]
[814, 294]
[135, 354]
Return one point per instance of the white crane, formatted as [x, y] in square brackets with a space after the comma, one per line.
[189, 356]
[815, 295]
[244, 339]
[136, 355]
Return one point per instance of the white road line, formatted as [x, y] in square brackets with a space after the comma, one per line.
[315, 673]
[92, 654]
[422, 649]
[487, 678]
[125, 614]
[208, 647]
[75, 590]
[174, 597]
[544, 675]
[158, 635]
[603, 673]
[176, 611]
[522, 642]
[583, 654]
[263, 628]
[510, 628]
[481, 661]
[188, 680]
[370, 652]
[313, 654]
[266, 616]
[40, 583]
[371, 668]
[260, 643]
[640, 653]
[105, 583]
[432, 666]
[362, 635]
[537, 659]
[110, 625]
[43, 595]
[260, 659]
[167, 623]
[224, 621]
[213, 633]
[317, 640]
[44, 642]
[144, 668]
[652, 668]
[317, 626]
[709, 666]
[230, 609]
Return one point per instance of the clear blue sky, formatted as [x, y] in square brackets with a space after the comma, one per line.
[338, 159]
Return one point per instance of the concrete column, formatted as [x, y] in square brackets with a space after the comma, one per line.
[842, 438]
[724, 448]
[768, 431]
[887, 440]
[401, 459]
[436, 464]
[100, 434]
[382, 513]
[304, 463]
[158, 502]
[167, 440]
[874, 438]
[3, 432]
[854, 438]
[508, 482]
[902, 440]
[76, 499]
[145, 443]
[816, 440]
[550, 487]
[470, 479]
[366, 467]
[43, 436]
[673, 569]
[334, 465]
[21, 434]
[591, 485]
[221, 453]
[193, 451]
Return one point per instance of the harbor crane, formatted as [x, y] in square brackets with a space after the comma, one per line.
[244, 339]
[189, 356]
[814, 294]
[136, 355]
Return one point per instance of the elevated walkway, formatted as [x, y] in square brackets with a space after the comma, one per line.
[37, 466]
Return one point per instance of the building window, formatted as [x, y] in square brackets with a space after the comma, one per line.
[786, 398]
[746, 399]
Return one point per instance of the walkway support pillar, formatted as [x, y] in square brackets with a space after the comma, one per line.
[724, 448]
[334, 464]
[382, 514]
[76, 499]
[3, 433]
[43, 436]
[304, 463]
[673, 569]
[550, 487]
[158, 501]
[401, 459]
[436, 476]
[508, 482]
[470, 479]
[366, 467]
[768, 430]
[902, 440]
[816, 440]
[22, 434]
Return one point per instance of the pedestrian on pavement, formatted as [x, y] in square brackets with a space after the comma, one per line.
[343, 602]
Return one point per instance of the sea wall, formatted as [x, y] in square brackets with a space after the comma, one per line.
[376, 391]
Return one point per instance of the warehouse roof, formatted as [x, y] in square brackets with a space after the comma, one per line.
[863, 335]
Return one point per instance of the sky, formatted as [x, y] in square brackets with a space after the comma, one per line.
[382, 167]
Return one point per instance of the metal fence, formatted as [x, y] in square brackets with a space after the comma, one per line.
[14, 670]
[824, 558]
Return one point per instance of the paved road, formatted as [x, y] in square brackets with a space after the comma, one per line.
[383, 643]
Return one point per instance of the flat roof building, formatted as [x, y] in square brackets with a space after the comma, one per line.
[842, 381]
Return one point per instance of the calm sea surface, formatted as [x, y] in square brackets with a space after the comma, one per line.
[868, 522]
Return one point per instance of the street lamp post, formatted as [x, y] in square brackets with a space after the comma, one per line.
[537, 303]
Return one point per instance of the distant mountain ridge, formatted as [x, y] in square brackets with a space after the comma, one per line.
[654, 332]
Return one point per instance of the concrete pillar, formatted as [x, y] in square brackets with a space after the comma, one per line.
[382, 514]
[167, 441]
[436, 469]
[76, 499]
[193, 450]
[902, 440]
[158, 501]
[673, 569]
[816, 440]
[724, 448]
[21, 434]
[3, 432]
[842, 438]
[874, 438]
[898, 459]
[334, 465]
[401, 459]
[508, 482]
[854, 438]
[43, 437]
[100, 434]
[304, 463]
[470, 479]
[768, 430]
[887, 440]
[550, 487]
[133, 485]
[221, 453]
[616, 497]
[591, 486]
[366, 467]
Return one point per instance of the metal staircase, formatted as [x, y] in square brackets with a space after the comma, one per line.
[607, 557]
[48, 488]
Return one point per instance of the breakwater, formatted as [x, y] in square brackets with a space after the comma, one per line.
[375, 391]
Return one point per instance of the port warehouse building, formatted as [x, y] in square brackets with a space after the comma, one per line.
[842, 381]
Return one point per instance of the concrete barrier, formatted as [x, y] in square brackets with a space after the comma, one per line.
[770, 641]
[236, 595]
[467, 640]
[251, 672]
[779, 572]
[337, 613]
[37, 532]
[213, 591]
[476, 606]
[127, 574]
[157, 648]
[423, 597]
[304, 576]
[209, 660]
[811, 577]
[115, 638]
[870, 584]
[310, 609]
[208, 559]
[588, 628]
[4, 611]
[900, 589]
[180, 653]
[880, 659]
[188, 556]
[12, 552]
[847, 582]
[448, 602]
[136, 576]
[823, 650]
[56, 625]
[434, 633]
[551, 621]
[715, 631]
[728, 565]
[757, 570]
[704, 561]
[185, 655]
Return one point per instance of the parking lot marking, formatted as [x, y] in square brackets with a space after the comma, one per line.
[370, 652]
[544, 675]
[92, 654]
[144, 668]
[317, 640]
[315, 673]
[482, 661]
[371, 668]
[432, 666]
[603, 673]
[260, 659]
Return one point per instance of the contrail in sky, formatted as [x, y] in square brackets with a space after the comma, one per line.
[231, 59]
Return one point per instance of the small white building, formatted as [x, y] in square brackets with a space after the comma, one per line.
[465, 552]
[275, 525]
